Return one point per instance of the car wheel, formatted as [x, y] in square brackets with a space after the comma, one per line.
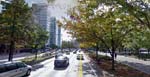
[28, 72]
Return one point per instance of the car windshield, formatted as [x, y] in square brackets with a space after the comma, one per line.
[60, 58]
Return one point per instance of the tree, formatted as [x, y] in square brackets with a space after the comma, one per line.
[108, 26]
[138, 8]
[17, 27]
[141, 39]
[14, 16]
[68, 44]
[50, 1]
[39, 37]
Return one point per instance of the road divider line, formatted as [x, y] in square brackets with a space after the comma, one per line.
[80, 68]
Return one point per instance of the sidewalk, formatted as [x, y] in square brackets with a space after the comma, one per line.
[138, 64]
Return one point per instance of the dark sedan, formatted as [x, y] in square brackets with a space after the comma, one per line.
[61, 61]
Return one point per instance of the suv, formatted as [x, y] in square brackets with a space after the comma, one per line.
[14, 69]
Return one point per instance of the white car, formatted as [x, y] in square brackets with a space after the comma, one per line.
[14, 69]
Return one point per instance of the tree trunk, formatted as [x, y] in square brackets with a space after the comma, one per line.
[11, 51]
[113, 49]
[148, 51]
[36, 53]
[12, 41]
[97, 51]
[113, 61]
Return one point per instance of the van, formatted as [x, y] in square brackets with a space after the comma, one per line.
[14, 69]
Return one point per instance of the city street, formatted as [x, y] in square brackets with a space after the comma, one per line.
[76, 68]
[74, 38]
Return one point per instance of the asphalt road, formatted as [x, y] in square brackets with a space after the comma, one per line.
[76, 68]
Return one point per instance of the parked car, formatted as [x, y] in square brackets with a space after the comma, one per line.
[14, 69]
[61, 61]
[80, 57]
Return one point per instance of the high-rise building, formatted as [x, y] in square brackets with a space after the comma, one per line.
[55, 33]
[52, 31]
[41, 16]
[59, 37]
